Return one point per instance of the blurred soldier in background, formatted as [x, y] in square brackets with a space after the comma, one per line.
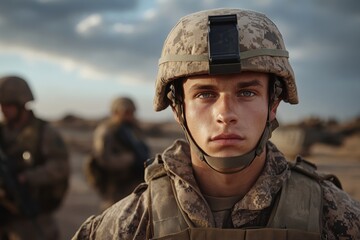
[117, 163]
[34, 167]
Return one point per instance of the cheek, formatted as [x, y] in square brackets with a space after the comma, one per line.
[261, 112]
[255, 116]
[197, 121]
[191, 115]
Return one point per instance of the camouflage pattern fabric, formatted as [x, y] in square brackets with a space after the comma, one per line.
[47, 170]
[185, 51]
[116, 164]
[129, 218]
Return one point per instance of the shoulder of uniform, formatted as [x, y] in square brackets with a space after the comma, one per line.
[304, 167]
[140, 188]
[104, 128]
[40, 120]
[309, 169]
[39, 123]
[154, 168]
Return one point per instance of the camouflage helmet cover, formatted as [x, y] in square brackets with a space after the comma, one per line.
[14, 89]
[122, 104]
[185, 51]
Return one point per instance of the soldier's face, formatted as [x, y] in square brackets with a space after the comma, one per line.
[226, 114]
[129, 116]
[9, 111]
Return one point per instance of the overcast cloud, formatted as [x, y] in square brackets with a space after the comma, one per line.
[122, 40]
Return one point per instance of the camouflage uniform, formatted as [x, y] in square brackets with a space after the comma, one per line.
[260, 48]
[119, 168]
[129, 218]
[36, 151]
[47, 173]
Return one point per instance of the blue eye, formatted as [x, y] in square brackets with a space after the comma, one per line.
[205, 95]
[246, 93]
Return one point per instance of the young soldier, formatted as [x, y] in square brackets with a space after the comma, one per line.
[224, 72]
[34, 167]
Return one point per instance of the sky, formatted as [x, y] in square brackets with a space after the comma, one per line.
[78, 55]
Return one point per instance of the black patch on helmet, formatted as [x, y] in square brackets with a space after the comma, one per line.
[223, 43]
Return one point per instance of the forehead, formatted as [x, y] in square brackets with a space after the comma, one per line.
[229, 79]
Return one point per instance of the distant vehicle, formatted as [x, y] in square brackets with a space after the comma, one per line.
[298, 139]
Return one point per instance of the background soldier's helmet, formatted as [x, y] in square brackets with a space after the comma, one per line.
[122, 104]
[185, 51]
[14, 89]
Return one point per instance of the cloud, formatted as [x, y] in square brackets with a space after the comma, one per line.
[122, 39]
[101, 34]
[90, 23]
[76, 30]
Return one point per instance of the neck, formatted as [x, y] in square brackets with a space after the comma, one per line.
[217, 184]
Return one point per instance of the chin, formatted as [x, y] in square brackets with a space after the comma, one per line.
[230, 151]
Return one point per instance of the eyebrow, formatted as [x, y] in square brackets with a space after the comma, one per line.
[199, 86]
[251, 83]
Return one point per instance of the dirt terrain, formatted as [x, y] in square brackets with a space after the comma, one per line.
[81, 201]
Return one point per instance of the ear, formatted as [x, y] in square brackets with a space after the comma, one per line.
[274, 109]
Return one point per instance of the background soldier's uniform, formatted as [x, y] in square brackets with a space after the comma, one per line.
[115, 169]
[129, 218]
[38, 152]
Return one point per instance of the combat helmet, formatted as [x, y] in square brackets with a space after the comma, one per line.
[122, 104]
[14, 89]
[224, 41]
[186, 51]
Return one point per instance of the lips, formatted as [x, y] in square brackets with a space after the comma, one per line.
[226, 136]
[226, 145]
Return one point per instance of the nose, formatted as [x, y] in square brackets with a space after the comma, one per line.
[225, 110]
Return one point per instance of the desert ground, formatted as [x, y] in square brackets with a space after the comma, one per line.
[81, 201]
